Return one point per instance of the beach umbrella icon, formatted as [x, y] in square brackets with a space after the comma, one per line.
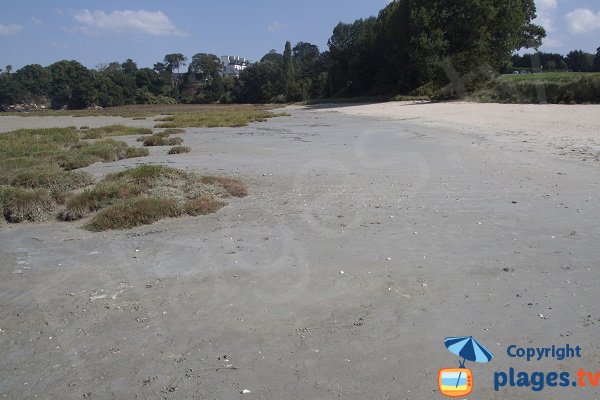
[469, 349]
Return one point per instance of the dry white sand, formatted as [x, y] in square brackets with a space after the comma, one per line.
[572, 130]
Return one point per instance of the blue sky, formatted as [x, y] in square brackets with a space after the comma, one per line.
[95, 32]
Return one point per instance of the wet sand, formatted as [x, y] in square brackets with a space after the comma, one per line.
[439, 231]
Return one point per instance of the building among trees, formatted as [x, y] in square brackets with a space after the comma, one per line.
[232, 66]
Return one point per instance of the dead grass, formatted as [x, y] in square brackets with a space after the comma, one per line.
[232, 186]
[114, 130]
[202, 206]
[179, 150]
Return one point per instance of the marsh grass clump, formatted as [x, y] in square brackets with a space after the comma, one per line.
[161, 139]
[146, 175]
[20, 204]
[52, 178]
[218, 117]
[114, 130]
[108, 150]
[179, 150]
[134, 212]
[37, 168]
[232, 186]
[202, 206]
[173, 131]
[100, 196]
[181, 193]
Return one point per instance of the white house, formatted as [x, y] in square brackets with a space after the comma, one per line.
[232, 65]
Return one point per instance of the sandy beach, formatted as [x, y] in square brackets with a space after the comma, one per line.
[370, 234]
[568, 130]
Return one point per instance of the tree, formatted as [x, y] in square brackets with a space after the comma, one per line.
[36, 81]
[580, 61]
[129, 67]
[597, 61]
[205, 66]
[73, 85]
[175, 61]
[287, 68]
[9, 69]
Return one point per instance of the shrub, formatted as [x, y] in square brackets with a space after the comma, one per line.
[134, 212]
[52, 178]
[179, 150]
[173, 131]
[162, 139]
[202, 206]
[104, 194]
[145, 175]
[108, 150]
[20, 204]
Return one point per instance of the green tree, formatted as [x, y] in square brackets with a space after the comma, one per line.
[73, 85]
[174, 61]
[597, 61]
[36, 81]
[205, 66]
[580, 61]
[129, 67]
[287, 69]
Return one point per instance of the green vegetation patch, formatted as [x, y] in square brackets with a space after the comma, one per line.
[179, 150]
[37, 168]
[18, 204]
[134, 212]
[159, 139]
[224, 116]
[553, 88]
[114, 130]
[147, 193]
[86, 153]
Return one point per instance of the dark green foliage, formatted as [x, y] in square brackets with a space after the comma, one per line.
[580, 61]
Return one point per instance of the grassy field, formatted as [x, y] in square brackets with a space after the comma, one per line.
[176, 116]
[551, 87]
[549, 77]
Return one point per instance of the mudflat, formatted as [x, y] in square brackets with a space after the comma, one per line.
[365, 241]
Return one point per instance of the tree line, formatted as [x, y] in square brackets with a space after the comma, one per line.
[411, 47]
[576, 61]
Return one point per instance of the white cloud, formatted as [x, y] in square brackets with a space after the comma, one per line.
[36, 21]
[544, 5]
[10, 29]
[276, 26]
[583, 20]
[552, 43]
[545, 14]
[126, 21]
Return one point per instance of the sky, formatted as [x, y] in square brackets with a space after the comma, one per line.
[96, 32]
